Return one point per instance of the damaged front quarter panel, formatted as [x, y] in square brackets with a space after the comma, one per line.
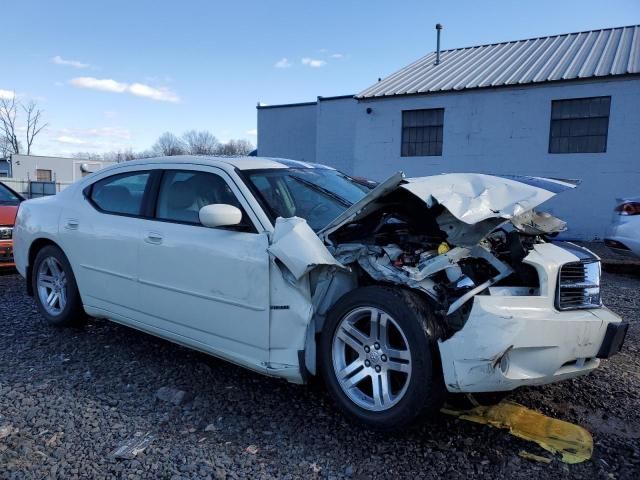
[298, 247]
[444, 236]
[305, 281]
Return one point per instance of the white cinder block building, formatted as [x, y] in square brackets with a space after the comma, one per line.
[566, 106]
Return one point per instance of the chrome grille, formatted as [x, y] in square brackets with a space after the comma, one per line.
[6, 233]
[579, 285]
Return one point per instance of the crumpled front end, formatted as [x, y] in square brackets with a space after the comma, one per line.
[512, 339]
[511, 308]
[449, 236]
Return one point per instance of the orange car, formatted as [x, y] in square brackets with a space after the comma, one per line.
[9, 202]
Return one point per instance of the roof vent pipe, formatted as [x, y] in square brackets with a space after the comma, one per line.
[438, 28]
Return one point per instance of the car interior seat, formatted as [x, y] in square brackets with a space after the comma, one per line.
[117, 198]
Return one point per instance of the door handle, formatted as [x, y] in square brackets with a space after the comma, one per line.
[154, 238]
[72, 224]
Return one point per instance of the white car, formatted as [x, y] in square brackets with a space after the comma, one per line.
[623, 236]
[394, 294]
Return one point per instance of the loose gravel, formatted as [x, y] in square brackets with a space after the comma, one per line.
[106, 401]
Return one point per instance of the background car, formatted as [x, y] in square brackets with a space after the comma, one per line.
[9, 202]
[623, 236]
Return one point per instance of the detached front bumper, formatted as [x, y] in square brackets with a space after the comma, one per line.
[509, 342]
[6, 254]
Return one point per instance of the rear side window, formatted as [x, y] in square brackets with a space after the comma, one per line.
[121, 194]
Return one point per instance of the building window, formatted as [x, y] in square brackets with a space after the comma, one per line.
[579, 125]
[43, 175]
[422, 132]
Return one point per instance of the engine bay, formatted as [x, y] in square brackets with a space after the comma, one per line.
[404, 241]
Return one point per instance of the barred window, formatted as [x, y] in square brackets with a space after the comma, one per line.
[579, 125]
[422, 132]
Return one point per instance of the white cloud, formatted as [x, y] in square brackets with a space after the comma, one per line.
[161, 94]
[83, 133]
[337, 55]
[283, 63]
[6, 94]
[70, 140]
[104, 84]
[253, 132]
[113, 132]
[313, 62]
[58, 60]
[99, 139]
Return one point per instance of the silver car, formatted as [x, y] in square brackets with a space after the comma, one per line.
[623, 236]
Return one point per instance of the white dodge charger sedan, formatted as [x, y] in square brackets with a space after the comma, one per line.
[394, 293]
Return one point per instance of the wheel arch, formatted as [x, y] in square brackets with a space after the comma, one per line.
[420, 300]
[37, 245]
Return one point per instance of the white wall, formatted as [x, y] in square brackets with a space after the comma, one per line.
[336, 123]
[506, 131]
[287, 132]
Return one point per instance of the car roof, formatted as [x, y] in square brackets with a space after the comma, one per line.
[240, 163]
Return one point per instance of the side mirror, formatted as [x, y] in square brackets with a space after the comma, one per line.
[219, 215]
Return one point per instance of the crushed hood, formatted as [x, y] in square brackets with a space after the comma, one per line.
[469, 197]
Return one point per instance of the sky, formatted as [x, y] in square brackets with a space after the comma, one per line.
[115, 74]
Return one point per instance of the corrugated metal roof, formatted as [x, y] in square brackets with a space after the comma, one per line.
[570, 56]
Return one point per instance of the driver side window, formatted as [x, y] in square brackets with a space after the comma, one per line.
[183, 193]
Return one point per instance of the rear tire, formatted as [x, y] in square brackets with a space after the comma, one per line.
[378, 360]
[55, 289]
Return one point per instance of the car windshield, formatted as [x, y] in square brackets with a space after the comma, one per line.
[7, 197]
[316, 194]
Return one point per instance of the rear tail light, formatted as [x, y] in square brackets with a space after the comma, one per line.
[628, 208]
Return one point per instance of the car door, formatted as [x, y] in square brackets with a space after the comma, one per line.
[101, 233]
[206, 287]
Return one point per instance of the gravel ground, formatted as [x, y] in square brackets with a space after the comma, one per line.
[69, 398]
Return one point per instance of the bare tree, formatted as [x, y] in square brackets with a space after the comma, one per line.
[193, 142]
[126, 155]
[5, 146]
[9, 128]
[200, 143]
[87, 155]
[8, 113]
[120, 155]
[34, 123]
[235, 147]
[168, 145]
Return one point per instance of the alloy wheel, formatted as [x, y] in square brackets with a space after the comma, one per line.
[371, 358]
[52, 286]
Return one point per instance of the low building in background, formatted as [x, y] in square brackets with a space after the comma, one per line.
[36, 176]
[565, 106]
[4, 167]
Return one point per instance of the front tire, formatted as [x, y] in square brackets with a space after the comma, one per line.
[378, 360]
[55, 289]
